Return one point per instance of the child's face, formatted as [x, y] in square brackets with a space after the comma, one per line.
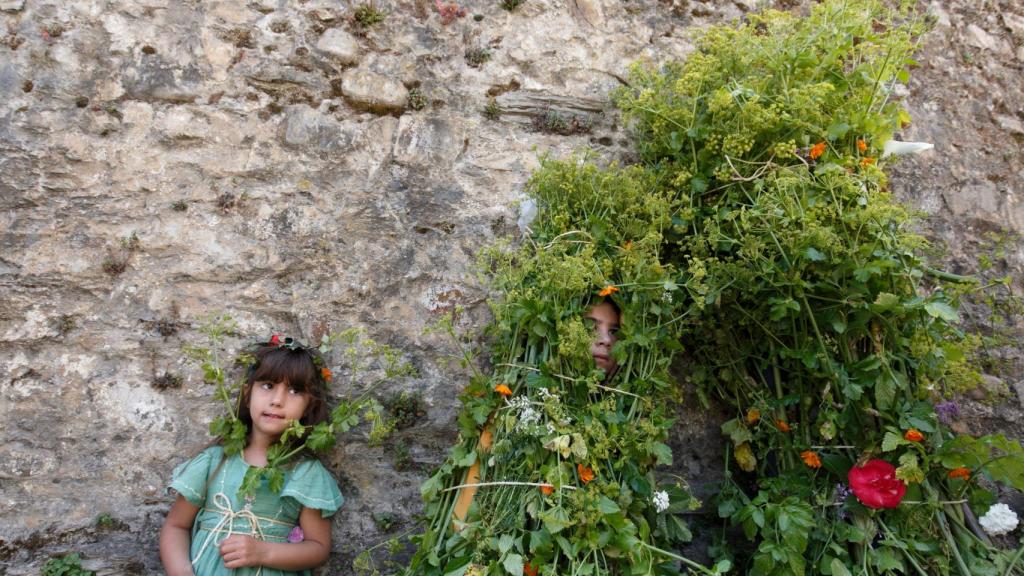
[605, 322]
[273, 406]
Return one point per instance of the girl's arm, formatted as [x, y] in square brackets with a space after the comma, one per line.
[176, 537]
[240, 551]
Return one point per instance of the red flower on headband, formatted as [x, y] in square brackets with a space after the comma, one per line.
[875, 484]
[275, 340]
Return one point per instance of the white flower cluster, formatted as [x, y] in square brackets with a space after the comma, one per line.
[660, 501]
[526, 415]
[999, 520]
[666, 297]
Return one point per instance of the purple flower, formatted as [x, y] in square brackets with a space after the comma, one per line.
[842, 492]
[947, 411]
[296, 535]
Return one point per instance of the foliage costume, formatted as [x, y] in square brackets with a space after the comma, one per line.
[758, 228]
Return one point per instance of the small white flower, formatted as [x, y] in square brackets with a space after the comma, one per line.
[660, 501]
[527, 212]
[999, 520]
[897, 148]
[666, 297]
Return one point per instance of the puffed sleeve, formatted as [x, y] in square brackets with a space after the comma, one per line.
[190, 478]
[312, 486]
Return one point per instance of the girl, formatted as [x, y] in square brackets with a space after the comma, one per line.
[603, 320]
[211, 529]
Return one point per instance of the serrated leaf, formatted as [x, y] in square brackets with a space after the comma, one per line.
[513, 564]
[942, 310]
[892, 441]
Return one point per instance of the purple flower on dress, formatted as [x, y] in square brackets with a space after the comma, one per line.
[296, 535]
[947, 411]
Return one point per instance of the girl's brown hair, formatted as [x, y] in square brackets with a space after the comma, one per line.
[301, 368]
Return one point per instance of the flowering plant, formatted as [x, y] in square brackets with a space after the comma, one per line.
[875, 484]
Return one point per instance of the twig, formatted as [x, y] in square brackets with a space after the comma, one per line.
[504, 483]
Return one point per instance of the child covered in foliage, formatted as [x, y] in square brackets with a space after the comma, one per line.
[282, 526]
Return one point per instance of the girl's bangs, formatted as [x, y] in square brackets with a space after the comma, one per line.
[292, 366]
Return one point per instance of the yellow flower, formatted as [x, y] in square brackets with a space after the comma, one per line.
[753, 415]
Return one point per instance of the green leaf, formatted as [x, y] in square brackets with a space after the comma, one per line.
[838, 568]
[662, 453]
[838, 130]
[892, 441]
[942, 310]
[812, 254]
[607, 506]
[505, 543]
[513, 564]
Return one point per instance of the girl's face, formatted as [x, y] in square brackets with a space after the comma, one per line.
[273, 406]
[605, 322]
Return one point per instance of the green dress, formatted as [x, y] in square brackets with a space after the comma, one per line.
[267, 515]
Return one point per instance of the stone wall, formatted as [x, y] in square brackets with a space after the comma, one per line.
[284, 163]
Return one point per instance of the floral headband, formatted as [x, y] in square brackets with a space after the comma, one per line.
[296, 345]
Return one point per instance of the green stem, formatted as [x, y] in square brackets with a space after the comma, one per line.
[904, 550]
[941, 515]
[683, 559]
[1014, 560]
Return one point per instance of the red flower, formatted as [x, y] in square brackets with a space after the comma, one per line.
[275, 340]
[547, 489]
[529, 570]
[782, 425]
[875, 484]
[326, 373]
[817, 150]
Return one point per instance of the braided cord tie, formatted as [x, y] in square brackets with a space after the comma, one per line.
[226, 524]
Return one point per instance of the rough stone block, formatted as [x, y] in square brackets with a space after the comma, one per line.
[340, 45]
[375, 92]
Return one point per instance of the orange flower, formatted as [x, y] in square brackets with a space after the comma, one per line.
[962, 473]
[782, 425]
[547, 489]
[866, 161]
[817, 150]
[753, 415]
[862, 145]
[529, 570]
[586, 474]
[503, 390]
[608, 290]
[811, 459]
[913, 435]
[628, 244]
[326, 373]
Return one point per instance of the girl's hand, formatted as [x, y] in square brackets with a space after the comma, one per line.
[239, 551]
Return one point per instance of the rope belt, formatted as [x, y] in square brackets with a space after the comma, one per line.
[226, 524]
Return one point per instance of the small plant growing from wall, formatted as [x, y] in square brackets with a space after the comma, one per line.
[477, 57]
[417, 99]
[67, 565]
[492, 111]
[554, 122]
[511, 5]
[367, 16]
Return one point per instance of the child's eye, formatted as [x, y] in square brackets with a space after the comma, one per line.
[266, 385]
[293, 390]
